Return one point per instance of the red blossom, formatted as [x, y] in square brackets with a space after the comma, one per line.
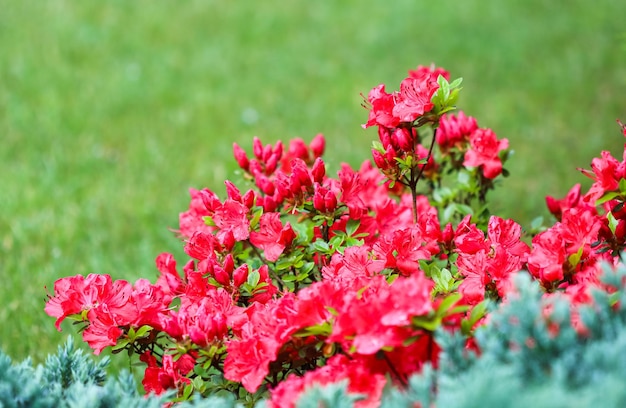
[272, 237]
[361, 381]
[414, 98]
[455, 130]
[232, 217]
[171, 375]
[484, 152]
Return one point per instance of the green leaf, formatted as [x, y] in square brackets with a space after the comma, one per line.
[253, 278]
[143, 331]
[430, 323]
[476, 314]
[612, 222]
[352, 226]
[607, 197]
[320, 246]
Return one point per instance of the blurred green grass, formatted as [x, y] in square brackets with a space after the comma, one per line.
[110, 111]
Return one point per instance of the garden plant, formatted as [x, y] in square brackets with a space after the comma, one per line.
[389, 284]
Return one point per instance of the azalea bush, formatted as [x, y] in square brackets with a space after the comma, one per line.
[298, 279]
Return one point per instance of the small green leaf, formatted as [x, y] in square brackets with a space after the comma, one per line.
[607, 197]
[352, 226]
[253, 278]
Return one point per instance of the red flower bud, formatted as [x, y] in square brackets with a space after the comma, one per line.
[318, 200]
[301, 171]
[330, 201]
[257, 148]
[248, 198]
[317, 146]
[221, 276]
[287, 235]
[267, 153]
[379, 159]
[294, 184]
[269, 204]
[264, 184]
[271, 164]
[232, 191]
[241, 157]
[228, 241]
[319, 170]
[278, 149]
[384, 135]
[403, 139]
[229, 264]
[240, 275]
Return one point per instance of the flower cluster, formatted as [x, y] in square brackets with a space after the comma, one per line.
[298, 278]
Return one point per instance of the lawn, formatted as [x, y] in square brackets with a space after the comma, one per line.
[111, 111]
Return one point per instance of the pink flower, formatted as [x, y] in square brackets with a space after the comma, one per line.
[192, 220]
[232, 217]
[414, 98]
[75, 294]
[455, 130]
[379, 316]
[171, 375]
[361, 380]
[382, 106]
[606, 172]
[484, 152]
[103, 330]
[272, 237]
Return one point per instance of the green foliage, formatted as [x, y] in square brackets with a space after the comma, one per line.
[527, 359]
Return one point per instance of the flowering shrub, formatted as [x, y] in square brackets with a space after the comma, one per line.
[298, 279]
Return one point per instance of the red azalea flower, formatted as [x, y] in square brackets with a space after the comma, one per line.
[338, 368]
[74, 294]
[432, 71]
[272, 237]
[484, 152]
[455, 130]
[382, 105]
[232, 217]
[606, 173]
[171, 375]
[571, 200]
[192, 220]
[414, 98]
[103, 330]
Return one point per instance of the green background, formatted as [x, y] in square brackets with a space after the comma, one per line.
[110, 111]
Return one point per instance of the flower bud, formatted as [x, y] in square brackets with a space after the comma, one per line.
[319, 170]
[294, 184]
[249, 198]
[229, 264]
[241, 157]
[271, 164]
[384, 135]
[318, 200]
[402, 139]
[240, 275]
[228, 241]
[278, 149]
[287, 235]
[379, 159]
[232, 191]
[267, 152]
[209, 199]
[264, 184]
[298, 149]
[317, 146]
[257, 148]
[221, 276]
[330, 201]
[269, 204]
